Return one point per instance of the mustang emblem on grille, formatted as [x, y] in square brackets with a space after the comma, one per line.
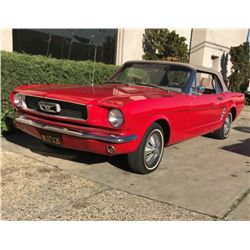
[49, 107]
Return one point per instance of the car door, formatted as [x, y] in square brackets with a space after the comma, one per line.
[207, 103]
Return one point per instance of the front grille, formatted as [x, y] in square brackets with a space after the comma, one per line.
[68, 109]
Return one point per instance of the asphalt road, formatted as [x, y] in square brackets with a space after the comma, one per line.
[199, 179]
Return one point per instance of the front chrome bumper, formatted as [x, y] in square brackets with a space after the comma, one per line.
[106, 138]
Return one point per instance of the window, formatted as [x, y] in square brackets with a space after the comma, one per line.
[169, 77]
[210, 82]
[73, 44]
[178, 78]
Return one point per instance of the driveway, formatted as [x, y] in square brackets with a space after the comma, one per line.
[199, 179]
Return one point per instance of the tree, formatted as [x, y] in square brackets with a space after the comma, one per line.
[162, 44]
[240, 58]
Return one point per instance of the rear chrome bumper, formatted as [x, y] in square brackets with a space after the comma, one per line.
[106, 138]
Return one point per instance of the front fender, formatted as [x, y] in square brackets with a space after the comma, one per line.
[145, 125]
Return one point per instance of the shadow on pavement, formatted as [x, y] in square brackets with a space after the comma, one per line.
[242, 129]
[242, 148]
[36, 146]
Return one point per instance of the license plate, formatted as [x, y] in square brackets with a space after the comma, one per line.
[52, 138]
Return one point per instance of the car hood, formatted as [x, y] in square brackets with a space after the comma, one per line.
[108, 93]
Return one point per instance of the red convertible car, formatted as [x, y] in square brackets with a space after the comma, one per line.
[144, 107]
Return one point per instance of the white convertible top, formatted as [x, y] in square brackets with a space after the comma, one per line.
[188, 65]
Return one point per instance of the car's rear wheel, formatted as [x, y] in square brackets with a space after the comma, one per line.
[148, 155]
[224, 131]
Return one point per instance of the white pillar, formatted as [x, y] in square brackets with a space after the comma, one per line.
[119, 47]
[129, 45]
[6, 40]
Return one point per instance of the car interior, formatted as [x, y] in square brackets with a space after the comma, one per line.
[210, 82]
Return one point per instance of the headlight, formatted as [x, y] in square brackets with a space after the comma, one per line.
[115, 118]
[19, 100]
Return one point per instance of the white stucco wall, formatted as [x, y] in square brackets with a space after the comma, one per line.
[129, 43]
[214, 43]
[227, 37]
[6, 40]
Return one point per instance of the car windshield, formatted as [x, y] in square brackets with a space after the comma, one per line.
[165, 76]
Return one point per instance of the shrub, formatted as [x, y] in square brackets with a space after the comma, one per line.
[238, 87]
[22, 69]
[240, 58]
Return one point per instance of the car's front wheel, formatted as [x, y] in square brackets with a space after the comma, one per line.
[224, 131]
[148, 155]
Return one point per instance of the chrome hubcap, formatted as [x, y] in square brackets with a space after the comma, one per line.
[227, 124]
[153, 149]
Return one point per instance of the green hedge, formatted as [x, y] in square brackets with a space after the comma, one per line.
[237, 87]
[22, 69]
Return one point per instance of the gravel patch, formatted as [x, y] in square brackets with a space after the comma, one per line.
[33, 190]
[118, 205]
[30, 188]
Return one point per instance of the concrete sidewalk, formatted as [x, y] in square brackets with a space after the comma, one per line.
[33, 190]
[199, 179]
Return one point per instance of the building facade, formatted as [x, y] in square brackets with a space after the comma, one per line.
[208, 47]
[72, 44]
[129, 43]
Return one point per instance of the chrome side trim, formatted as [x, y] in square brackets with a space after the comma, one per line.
[106, 138]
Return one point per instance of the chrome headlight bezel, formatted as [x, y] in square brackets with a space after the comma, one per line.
[19, 100]
[115, 118]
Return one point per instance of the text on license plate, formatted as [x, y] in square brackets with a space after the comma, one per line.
[52, 139]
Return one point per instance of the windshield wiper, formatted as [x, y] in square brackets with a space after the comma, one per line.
[119, 82]
[113, 81]
[151, 85]
[142, 84]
